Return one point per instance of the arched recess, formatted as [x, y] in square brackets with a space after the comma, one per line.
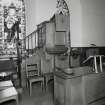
[12, 27]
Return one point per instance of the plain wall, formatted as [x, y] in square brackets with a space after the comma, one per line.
[38, 11]
[93, 22]
[30, 11]
[75, 22]
[87, 22]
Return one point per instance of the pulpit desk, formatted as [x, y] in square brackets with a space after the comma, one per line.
[82, 88]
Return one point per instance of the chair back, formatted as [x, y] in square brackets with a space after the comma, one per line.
[32, 70]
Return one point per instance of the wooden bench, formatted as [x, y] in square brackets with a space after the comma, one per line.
[7, 92]
[5, 84]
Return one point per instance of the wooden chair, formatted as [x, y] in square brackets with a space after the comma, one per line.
[33, 75]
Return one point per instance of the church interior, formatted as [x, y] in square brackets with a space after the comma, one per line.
[52, 52]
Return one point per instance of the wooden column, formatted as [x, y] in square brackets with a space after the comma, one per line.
[18, 55]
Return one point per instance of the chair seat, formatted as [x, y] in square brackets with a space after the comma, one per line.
[35, 79]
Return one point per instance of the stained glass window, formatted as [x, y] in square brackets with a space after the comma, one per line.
[12, 26]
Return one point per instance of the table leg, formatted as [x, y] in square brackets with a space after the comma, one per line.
[95, 62]
[101, 63]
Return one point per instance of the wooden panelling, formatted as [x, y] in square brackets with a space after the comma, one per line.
[86, 89]
[50, 33]
[62, 22]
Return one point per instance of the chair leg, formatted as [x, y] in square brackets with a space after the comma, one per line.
[17, 101]
[42, 84]
[30, 88]
[27, 84]
[46, 82]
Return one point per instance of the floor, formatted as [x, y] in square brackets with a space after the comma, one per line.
[38, 97]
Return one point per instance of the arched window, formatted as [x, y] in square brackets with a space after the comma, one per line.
[12, 21]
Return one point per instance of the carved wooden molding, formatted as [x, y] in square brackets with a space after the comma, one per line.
[62, 7]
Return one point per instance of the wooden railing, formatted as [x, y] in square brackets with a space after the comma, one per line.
[31, 42]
